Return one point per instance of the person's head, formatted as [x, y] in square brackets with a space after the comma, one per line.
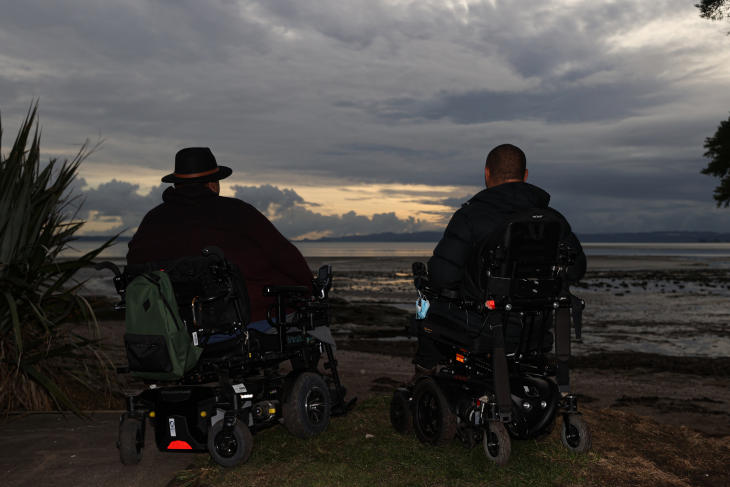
[505, 164]
[197, 166]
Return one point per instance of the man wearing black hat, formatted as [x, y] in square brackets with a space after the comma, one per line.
[194, 216]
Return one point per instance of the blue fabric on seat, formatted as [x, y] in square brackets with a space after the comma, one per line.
[262, 326]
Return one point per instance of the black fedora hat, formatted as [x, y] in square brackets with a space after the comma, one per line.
[196, 165]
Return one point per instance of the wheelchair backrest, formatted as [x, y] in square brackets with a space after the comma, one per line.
[520, 259]
[197, 277]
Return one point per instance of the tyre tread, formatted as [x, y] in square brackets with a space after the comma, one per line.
[297, 423]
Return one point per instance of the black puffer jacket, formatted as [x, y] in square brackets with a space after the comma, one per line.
[482, 214]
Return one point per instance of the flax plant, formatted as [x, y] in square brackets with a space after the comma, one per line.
[42, 351]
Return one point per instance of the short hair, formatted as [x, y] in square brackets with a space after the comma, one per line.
[506, 162]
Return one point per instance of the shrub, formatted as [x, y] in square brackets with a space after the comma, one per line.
[41, 355]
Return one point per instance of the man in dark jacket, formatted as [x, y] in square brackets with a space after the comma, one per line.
[507, 192]
[194, 216]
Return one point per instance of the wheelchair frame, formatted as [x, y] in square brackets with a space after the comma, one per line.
[496, 395]
[244, 401]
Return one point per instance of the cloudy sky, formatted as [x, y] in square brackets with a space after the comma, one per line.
[342, 117]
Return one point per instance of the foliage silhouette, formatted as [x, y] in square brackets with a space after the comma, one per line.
[42, 351]
[718, 150]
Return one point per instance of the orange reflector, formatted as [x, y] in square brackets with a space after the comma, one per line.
[179, 445]
[490, 304]
[459, 357]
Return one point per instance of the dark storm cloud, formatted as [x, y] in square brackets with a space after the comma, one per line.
[567, 105]
[290, 216]
[268, 199]
[394, 151]
[611, 100]
[289, 212]
[114, 201]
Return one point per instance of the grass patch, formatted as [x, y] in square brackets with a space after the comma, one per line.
[345, 456]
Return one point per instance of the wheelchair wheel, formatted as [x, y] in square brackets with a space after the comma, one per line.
[432, 420]
[130, 441]
[307, 413]
[400, 414]
[236, 451]
[576, 434]
[497, 445]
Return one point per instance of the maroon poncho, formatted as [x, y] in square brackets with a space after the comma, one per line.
[194, 217]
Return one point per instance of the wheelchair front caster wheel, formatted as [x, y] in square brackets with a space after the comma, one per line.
[497, 445]
[233, 452]
[576, 434]
[307, 413]
[400, 414]
[432, 420]
[130, 441]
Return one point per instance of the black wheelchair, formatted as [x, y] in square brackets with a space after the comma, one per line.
[234, 390]
[497, 382]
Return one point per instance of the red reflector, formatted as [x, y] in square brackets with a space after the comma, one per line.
[179, 445]
[162, 270]
[490, 304]
[459, 357]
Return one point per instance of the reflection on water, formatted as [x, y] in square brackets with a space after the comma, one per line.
[703, 345]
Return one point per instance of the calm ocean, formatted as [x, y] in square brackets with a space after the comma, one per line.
[417, 249]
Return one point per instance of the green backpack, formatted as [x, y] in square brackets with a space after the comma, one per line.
[158, 344]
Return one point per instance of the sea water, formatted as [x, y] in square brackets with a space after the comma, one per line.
[425, 249]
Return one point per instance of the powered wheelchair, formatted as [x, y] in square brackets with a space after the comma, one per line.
[497, 382]
[233, 389]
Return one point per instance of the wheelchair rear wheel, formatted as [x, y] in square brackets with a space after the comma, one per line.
[497, 445]
[130, 441]
[432, 420]
[236, 451]
[400, 414]
[576, 434]
[307, 413]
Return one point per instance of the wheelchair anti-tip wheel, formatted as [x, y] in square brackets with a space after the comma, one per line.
[307, 413]
[497, 445]
[235, 451]
[400, 414]
[432, 420]
[576, 434]
[130, 441]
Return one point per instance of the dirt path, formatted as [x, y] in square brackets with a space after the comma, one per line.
[47, 450]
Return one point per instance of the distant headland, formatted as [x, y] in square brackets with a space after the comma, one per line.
[638, 237]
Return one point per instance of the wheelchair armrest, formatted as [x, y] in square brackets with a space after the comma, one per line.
[108, 265]
[277, 290]
[424, 284]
